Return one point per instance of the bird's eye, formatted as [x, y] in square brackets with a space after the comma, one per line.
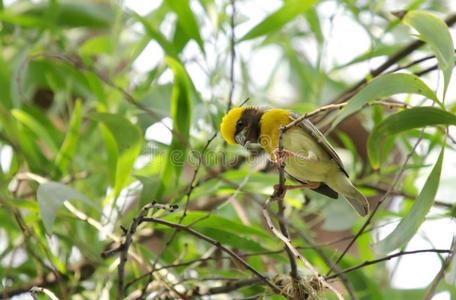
[239, 124]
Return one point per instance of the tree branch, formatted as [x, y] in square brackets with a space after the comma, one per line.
[400, 54]
[371, 262]
[218, 245]
[442, 271]
[385, 196]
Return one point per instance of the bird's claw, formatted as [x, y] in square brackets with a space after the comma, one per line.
[310, 185]
[279, 158]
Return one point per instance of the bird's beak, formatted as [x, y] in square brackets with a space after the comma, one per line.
[241, 137]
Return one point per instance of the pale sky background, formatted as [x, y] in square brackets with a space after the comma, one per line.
[346, 40]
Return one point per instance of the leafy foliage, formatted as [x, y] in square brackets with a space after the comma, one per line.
[115, 182]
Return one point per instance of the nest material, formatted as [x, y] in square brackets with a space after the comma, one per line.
[303, 288]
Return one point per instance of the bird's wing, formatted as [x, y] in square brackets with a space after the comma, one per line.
[310, 128]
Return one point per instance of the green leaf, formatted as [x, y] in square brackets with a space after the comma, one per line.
[214, 221]
[186, 20]
[385, 86]
[409, 225]
[149, 189]
[5, 83]
[68, 147]
[155, 34]
[290, 10]
[84, 14]
[21, 136]
[23, 20]
[434, 32]
[50, 196]
[181, 112]
[234, 240]
[100, 45]
[35, 127]
[128, 139]
[405, 120]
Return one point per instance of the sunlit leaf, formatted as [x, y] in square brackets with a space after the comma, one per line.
[50, 196]
[187, 20]
[214, 221]
[97, 46]
[434, 32]
[128, 139]
[405, 120]
[35, 127]
[409, 225]
[68, 147]
[233, 240]
[385, 86]
[290, 10]
[181, 112]
[167, 46]
[77, 14]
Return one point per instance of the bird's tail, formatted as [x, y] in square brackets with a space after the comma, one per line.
[342, 184]
[358, 201]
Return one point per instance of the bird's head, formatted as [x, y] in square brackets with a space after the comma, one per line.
[241, 125]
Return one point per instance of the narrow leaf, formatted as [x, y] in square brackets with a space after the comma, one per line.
[128, 139]
[219, 222]
[385, 86]
[290, 10]
[50, 196]
[405, 120]
[187, 20]
[36, 127]
[167, 46]
[181, 111]
[68, 147]
[434, 32]
[409, 225]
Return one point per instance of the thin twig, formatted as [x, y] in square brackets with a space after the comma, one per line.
[327, 259]
[375, 261]
[36, 289]
[218, 245]
[124, 247]
[442, 271]
[293, 250]
[191, 187]
[227, 288]
[385, 196]
[340, 106]
[201, 158]
[400, 54]
[407, 195]
[79, 64]
[233, 54]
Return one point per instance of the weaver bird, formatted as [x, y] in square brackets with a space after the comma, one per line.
[309, 158]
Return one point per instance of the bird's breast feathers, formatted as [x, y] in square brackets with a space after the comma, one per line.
[317, 164]
[270, 124]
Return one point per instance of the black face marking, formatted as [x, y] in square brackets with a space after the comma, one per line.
[250, 121]
[239, 125]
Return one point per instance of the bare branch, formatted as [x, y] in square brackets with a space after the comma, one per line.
[412, 46]
[36, 289]
[233, 54]
[375, 261]
[123, 248]
[218, 245]
[442, 271]
[228, 287]
[385, 196]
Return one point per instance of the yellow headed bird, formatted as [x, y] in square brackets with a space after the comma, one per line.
[308, 156]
